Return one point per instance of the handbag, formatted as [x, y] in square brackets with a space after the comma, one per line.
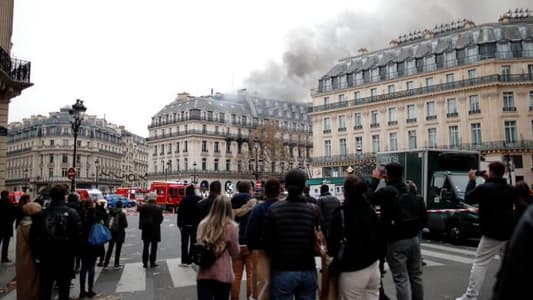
[336, 263]
[99, 235]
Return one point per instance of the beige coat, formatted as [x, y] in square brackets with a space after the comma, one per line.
[27, 273]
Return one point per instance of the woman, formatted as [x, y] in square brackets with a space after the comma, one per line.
[89, 253]
[359, 267]
[218, 229]
[27, 273]
[24, 199]
[117, 226]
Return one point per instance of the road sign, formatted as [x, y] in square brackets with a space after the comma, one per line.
[258, 184]
[71, 173]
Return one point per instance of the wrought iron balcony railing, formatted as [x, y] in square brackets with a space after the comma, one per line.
[16, 69]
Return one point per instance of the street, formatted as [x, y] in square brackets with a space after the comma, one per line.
[445, 275]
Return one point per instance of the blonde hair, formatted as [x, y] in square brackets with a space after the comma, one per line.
[211, 229]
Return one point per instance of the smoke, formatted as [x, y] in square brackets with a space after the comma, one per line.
[312, 51]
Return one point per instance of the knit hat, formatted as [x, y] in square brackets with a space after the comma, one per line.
[30, 209]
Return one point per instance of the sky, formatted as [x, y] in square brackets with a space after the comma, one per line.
[127, 59]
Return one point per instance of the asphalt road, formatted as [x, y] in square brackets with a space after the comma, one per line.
[445, 276]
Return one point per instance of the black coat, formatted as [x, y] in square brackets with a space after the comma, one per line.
[120, 234]
[150, 219]
[8, 213]
[187, 211]
[203, 207]
[88, 219]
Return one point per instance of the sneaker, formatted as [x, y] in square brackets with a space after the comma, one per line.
[91, 294]
[83, 294]
[116, 267]
[154, 265]
[145, 266]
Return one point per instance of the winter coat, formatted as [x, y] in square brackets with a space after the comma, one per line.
[254, 229]
[495, 198]
[289, 235]
[88, 219]
[187, 211]
[327, 204]
[8, 213]
[27, 273]
[118, 235]
[203, 207]
[150, 219]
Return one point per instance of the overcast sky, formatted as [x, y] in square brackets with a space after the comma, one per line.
[127, 59]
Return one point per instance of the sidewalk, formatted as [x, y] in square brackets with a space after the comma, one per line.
[8, 271]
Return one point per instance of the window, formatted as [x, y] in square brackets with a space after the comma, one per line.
[204, 129]
[475, 129]
[65, 158]
[454, 135]
[216, 149]
[342, 123]
[50, 172]
[228, 147]
[390, 88]
[375, 143]
[357, 95]
[357, 121]
[432, 137]
[221, 117]
[327, 125]
[472, 74]
[473, 101]
[517, 161]
[393, 141]
[429, 81]
[65, 143]
[510, 131]
[449, 78]
[508, 101]
[178, 164]
[51, 158]
[374, 121]
[52, 142]
[215, 165]
[326, 100]
[185, 148]
[228, 165]
[373, 92]
[204, 164]
[393, 120]
[204, 146]
[506, 72]
[409, 85]
[530, 100]
[359, 143]
[452, 108]
[327, 148]
[63, 172]
[177, 147]
[412, 139]
[411, 113]
[342, 147]
[341, 98]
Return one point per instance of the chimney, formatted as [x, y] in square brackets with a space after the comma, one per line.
[211, 91]
[183, 96]
[362, 50]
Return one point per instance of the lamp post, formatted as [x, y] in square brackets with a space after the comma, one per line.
[97, 166]
[77, 116]
[194, 173]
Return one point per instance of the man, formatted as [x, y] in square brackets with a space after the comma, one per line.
[308, 197]
[187, 224]
[73, 201]
[254, 238]
[204, 206]
[117, 225]
[401, 216]
[242, 204]
[55, 239]
[150, 219]
[327, 203]
[8, 213]
[101, 217]
[495, 198]
[289, 242]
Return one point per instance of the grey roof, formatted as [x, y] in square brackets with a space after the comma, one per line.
[439, 43]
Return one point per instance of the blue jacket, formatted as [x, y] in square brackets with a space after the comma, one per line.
[254, 229]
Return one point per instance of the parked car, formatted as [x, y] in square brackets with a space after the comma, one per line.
[112, 200]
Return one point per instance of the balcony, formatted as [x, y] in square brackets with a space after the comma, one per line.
[326, 131]
[15, 69]
[411, 120]
[430, 118]
[392, 123]
[509, 108]
[474, 112]
[342, 129]
[452, 115]
[357, 127]
[343, 158]
[374, 125]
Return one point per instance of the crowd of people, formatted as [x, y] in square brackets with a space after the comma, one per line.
[275, 240]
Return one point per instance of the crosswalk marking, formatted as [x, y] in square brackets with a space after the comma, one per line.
[181, 276]
[430, 263]
[449, 249]
[455, 258]
[133, 278]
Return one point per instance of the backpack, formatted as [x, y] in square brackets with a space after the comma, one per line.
[405, 210]
[203, 255]
[114, 223]
[56, 225]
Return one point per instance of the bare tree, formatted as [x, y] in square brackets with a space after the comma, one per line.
[271, 142]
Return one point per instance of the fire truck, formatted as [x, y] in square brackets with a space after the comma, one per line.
[169, 194]
[132, 193]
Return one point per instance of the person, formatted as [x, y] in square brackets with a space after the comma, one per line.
[218, 229]
[7, 217]
[288, 233]
[55, 238]
[117, 225]
[27, 273]
[400, 219]
[327, 203]
[89, 253]
[101, 216]
[308, 197]
[187, 224]
[204, 206]
[254, 238]
[150, 219]
[73, 201]
[424, 220]
[523, 200]
[19, 214]
[514, 278]
[365, 244]
[242, 205]
[496, 220]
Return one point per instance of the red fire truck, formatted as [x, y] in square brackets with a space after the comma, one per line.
[132, 193]
[169, 194]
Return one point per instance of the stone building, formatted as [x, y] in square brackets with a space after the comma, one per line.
[228, 138]
[458, 85]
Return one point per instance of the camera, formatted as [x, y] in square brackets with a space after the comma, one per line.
[481, 173]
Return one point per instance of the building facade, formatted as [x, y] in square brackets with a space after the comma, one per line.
[227, 138]
[14, 77]
[40, 151]
[459, 85]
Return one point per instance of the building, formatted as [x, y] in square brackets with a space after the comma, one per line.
[459, 85]
[14, 77]
[228, 138]
[39, 154]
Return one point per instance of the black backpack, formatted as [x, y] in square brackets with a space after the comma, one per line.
[56, 225]
[204, 255]
[405, 210]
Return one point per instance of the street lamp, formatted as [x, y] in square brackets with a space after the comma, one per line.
[97, 166]
[77, 116]
[194, 173]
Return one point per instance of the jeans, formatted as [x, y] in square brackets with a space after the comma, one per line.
[188, 238]
[212, 290]
[289, 285]
[110, 251]
[405, 265]
[361, 284]
[486, 250]
[87, 268]
[153, 252]
[244, 260]
[5, 248]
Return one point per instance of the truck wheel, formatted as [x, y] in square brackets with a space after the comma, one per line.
[454, 232]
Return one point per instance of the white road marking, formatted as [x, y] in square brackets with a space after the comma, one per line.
[449, 249]
[133, 278]
[181, 276]
[455, 258]
[430, 263]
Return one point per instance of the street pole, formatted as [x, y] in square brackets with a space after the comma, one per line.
[76, 112]
[194, 173]
[97, 166]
